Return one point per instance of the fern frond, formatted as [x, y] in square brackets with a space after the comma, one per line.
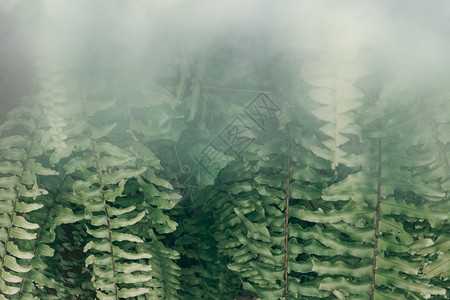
[335, 91]
[20, 190]
[111, 254]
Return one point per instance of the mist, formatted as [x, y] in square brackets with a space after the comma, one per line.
[224, 149]
[390, 37]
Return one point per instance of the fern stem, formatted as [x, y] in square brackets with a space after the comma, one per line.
[286, 237]
[377, 222]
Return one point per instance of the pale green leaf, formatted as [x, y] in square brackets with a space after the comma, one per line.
[128, 255]
[11, 263]
[116, 236]
[37, 168]
[392, 278]
[19, 233]
[12, 168]
[114, 211]
[14, 250]
[31, 193]
[122, 174]
[132, 292]
[13, 141]
[122, 222]
[132, 267]
[151, 176]
[437, 267]
[44, 250]
[131, 278]
[333, 216]
[442, 244]
[64, 215]
[397, 264]
[341, 283]
[27, 207]
[254, 230]
[110, 149]
[7, 276]
[8, 290]
[341, 268]
[7, 194]
[103, 246]
[21, 222]
[102, 131]
[267, 272]
[9, 182]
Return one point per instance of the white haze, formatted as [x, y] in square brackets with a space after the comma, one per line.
[393, 36]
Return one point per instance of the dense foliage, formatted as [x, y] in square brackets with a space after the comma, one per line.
[226, 175]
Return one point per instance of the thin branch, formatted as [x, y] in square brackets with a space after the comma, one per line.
[286, 237]
[377, 222]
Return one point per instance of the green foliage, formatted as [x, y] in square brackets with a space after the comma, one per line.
[106, 190]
